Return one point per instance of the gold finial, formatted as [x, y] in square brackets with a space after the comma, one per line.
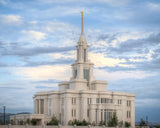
[82, 23]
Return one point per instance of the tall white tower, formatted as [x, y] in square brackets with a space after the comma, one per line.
[82, 68]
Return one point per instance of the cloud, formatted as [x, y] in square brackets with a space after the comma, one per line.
[49, 81]
[149, 102]
[27, 50]
[34, 35]
[56, 61]
[120, 75]
[45, 72]
[3, 2]
[153, 6]
[11, 19]
[100, 60]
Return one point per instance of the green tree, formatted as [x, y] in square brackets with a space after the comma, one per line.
[101, 123]
[21, 122]
[1, 122]
[78, 123]
[34, 122]
[142, 123]
[54, 121]
[114, 121]
[127, 124]
[28, 121]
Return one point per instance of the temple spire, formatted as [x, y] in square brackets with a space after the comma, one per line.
[82, 24]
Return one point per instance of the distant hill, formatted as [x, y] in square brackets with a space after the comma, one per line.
[151, 124]
[10, 114]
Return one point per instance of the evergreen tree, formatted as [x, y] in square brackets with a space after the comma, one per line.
[114, 121]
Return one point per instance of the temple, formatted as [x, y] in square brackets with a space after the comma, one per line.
[83, 97]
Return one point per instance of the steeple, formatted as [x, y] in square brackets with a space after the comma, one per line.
[82, 69]
[82, 24]
[82, 39]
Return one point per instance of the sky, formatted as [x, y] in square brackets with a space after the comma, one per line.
[37, 48]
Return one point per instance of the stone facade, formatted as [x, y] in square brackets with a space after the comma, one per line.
[83, 97]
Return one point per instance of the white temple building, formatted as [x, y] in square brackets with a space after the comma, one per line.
[82, 97]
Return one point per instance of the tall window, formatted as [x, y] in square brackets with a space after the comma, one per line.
[128, 114]
[128, 103]
[84, 53]
[75, 73]
[86, 74]
[89, 100]
[73, 112]
[119, 101]
[74, 100]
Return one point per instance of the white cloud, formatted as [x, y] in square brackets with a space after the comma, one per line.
[4, 2]
[34, 35]
[45, 72]
[118, 75]
[153, 6]
[11, 19]
[100, 60]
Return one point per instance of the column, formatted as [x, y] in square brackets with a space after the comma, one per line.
[92, 114]
[34, 106]
[39, 106]
[46, 106]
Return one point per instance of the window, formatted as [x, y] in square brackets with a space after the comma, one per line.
[74, 100]
[128, 103]
[105, 100]
[75, 75]
[86, 74]
[73, 112]
[128, 114]
[84, 53]
[89, 100]
[119, 101]
[102, 100]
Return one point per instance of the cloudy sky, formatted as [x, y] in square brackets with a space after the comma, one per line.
[38, 39]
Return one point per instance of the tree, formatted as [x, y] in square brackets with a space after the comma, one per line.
[120, 124]
[78, 123]
[142, 123]
[34, 122]
[21, 122]
[54, 121]
[114, 121]
[1, 122]
[127, 124]
[101, 123]
[28, 121]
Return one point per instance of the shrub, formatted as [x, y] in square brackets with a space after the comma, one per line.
[28, 121]
[127, 124]
[142, 123]
[54, 121]
[34, 122]
[114, 121]
[21, 122]
[78, 123]
[101, 123]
